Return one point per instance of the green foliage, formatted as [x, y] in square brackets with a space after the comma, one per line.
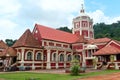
[10, 42]
[95, 60]
[66, 29]
[75, 70]
[104, 30]
[75, 67]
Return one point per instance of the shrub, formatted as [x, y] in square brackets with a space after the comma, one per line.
[75, 68]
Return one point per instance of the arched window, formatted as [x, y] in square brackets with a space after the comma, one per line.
[69, 58]
[54, 57]
[39, 56]
[61, 57]
[29, 56]
[77, 57]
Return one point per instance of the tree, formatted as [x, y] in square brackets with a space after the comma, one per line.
[104, 30]
[10, 42]
[66, 29]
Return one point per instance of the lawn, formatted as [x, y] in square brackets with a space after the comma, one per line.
[46, 76]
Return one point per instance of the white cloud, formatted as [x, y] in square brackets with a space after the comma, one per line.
[60, 5]
[9, 7]
[6, 29]
[99, 16]
[16, 15]
[9, 24]
[56, 13]
[8, 11]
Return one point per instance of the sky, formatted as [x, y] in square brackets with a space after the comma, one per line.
[18, 15]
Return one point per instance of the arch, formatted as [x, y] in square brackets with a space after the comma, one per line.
[78, 57]
[38, 56]
[18, 56]
[29, 55]
[54, 55]
[69, 57]
[61, 57]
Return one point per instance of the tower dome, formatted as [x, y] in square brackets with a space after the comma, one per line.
[83, 25]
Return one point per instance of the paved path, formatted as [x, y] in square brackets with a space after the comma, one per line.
[114, 76]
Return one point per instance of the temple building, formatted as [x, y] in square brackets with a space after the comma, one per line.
[48, 48]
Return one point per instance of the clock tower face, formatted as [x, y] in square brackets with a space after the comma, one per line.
[83, 25]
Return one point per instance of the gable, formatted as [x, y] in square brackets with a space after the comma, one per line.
[114, 43]
[54, 35]
[112, 47]
[27, 40]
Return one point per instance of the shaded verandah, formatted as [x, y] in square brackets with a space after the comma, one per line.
[8, 59]
[109, 56]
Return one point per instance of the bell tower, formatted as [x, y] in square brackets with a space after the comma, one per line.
[83, 25]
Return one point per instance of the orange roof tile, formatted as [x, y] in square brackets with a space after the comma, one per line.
[56, 35]
[107, 50]
[81, 39]
[10, 51]
[27, 40]
[100, 40]
[3, 45]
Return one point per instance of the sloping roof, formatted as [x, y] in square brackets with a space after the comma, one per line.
[8, 52]
[27, 40]
[56, 35]
[100, 40]
[3, 45]
[107, 50]
[81, 39]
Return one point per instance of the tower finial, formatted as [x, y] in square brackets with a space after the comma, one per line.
[82, 6]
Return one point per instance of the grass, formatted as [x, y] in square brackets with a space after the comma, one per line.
[46, 76]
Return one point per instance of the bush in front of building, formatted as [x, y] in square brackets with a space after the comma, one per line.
[75, 67]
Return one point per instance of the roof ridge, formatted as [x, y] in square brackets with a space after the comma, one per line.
[54, 34]
[53, 29]
[27, 40]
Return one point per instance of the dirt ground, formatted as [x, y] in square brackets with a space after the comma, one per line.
[113, 76]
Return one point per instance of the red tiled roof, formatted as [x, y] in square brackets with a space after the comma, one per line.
[81, 39]
[56, 35]
[10, 51]
[27, 40]
[100, 40]
[107, 50]
[3, 45]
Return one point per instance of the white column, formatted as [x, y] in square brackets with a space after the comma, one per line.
[84, 61]
[57, 59]
[65, 59]
[22, 57]
[72, 55]
[48, 60]
[42, 58]
[115, 57]
[33, 58]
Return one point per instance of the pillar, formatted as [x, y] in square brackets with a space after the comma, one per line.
[48, 60]
[33, 60]
[84, 60]
[65, 59]
[57, 59]
[22, 57]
